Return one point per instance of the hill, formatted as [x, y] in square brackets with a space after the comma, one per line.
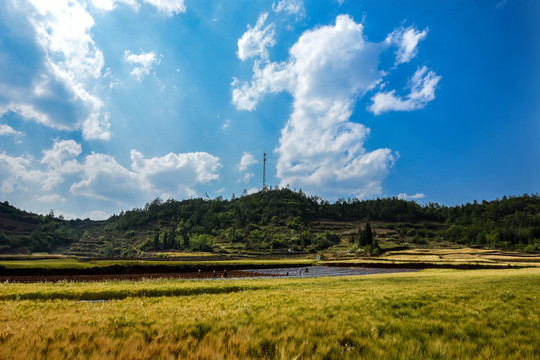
[279, 220]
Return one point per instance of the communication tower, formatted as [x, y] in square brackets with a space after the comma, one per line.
[264, 171]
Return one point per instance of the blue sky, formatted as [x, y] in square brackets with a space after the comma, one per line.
[108, 104]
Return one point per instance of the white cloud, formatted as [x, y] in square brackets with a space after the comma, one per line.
[242, 167]
[168, 7]
[6, 130]
[95, 215]
[422, 85]
[51, 198]
[60, 161]
[17, 174]
[175, 175]
[64, 28]
[253, 190]
[320, 149]
[109, 5]
[272, 78]
[245, 162]
[105, 179]
[23, 174]
[405, 196]
[247, 176]
[29, 112]
[58, 93]
[61, 151]
[407, 41]
[256, 40]
[290, 7]
[142, 63]
[101, 177]
[226, 124]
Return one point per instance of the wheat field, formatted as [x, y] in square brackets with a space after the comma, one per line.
[432, 314]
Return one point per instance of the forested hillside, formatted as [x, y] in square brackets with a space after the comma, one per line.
[277, 220]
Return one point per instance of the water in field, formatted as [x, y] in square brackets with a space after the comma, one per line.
[319, 271]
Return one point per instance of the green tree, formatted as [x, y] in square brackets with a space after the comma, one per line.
[366, 235]
[156, 241]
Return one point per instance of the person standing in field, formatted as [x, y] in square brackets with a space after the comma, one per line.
[224, 273]
[215, 273]
[199, 273]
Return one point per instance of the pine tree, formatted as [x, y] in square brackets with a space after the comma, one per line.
[156, 241]
[365, 237]
[172, 240]
[368, 233]
[186, 242]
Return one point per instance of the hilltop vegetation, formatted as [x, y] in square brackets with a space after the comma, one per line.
[277, 220]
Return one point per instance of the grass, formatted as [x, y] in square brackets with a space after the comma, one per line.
[432, 314]
[60, 263]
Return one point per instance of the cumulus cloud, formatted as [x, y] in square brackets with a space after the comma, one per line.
[320, 149]
[60, 161]
[175, 175]
[60, 152]
[256, 40]
[407, 41]
[290, 7]
[405, 196]
[105, 179]
[142, 63]
[245, 163]
[100, 176]
[55, 80]
[6, 130]
[422, 90]
[24, 174]
[267, 77]
[17, 174]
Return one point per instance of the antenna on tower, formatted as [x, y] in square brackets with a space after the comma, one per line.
[264, 171]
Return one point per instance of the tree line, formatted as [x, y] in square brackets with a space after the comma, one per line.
[283, 218]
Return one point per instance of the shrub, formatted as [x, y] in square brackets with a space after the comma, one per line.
[202, 242]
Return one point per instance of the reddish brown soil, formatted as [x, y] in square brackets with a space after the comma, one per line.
[110, 277]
